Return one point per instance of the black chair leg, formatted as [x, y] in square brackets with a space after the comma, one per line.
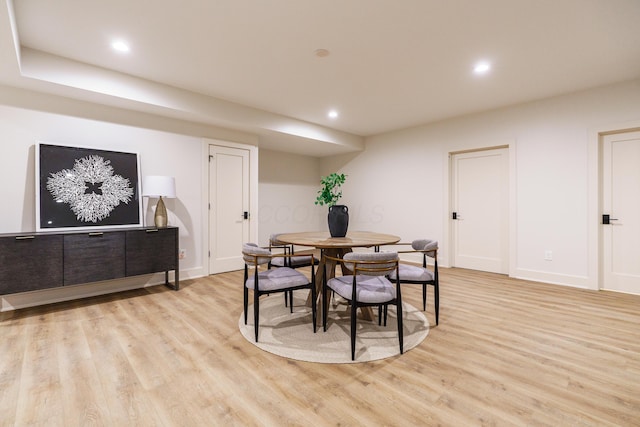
[324, 307]
[384, 313]
[353, 330]
[424, 297]
[400, 330]
[313, 306]
[437, 300]
[256, 312]
[246, 303]
[290, 300]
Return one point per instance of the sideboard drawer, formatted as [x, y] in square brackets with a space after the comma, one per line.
[92, 257]
[151, 250]
[30, 262]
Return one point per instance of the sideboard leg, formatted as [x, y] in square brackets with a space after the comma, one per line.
[176, 285]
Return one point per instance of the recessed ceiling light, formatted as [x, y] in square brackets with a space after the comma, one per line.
[120, 46]
[333, 114]
[321, 53]
[482, 67]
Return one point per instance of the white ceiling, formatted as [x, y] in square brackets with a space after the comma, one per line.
[392, 63]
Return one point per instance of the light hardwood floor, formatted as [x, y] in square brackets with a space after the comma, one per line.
[506, 352]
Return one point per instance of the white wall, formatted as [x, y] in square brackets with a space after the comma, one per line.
[20, 129]
[27, 117]
[288, 184]
[399, 184]
[287, 189]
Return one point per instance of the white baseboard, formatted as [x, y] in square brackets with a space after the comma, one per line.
[67, 293]
[575, 281]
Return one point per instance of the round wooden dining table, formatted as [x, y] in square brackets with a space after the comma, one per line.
[336, 247]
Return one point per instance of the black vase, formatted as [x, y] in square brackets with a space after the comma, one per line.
[338, 220]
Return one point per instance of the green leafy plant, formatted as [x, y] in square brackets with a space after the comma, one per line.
[330, 192]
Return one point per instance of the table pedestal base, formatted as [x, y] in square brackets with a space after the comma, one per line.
[366, 312]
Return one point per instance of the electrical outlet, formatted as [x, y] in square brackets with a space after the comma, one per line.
[548, 255]
[182, 253]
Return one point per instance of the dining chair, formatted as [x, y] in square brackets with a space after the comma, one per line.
[289, 260]
[413, 274]
[267, 280]
[367, 286]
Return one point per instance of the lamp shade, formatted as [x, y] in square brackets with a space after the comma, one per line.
[159, 186]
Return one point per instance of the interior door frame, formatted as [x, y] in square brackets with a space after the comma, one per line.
[453, 149]
[596, 199]
[253, 193]
[455, 167]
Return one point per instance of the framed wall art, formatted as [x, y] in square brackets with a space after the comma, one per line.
[86, 188]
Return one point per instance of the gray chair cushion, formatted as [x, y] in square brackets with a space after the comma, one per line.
[277, 278]
[249, 249]
[369, 289]
[425, 245]
[412, 272]
[275, 241]
[371, 256]
[278, 261]
[295, 261]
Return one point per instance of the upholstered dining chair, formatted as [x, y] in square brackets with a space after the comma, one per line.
[289, 260]
[413, 274]
[367, 286]
[267, 280]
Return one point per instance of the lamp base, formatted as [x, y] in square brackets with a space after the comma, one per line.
[160, 218]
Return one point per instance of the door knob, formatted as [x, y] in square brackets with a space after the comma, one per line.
[606, 219]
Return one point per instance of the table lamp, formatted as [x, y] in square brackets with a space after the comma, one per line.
[159, 186]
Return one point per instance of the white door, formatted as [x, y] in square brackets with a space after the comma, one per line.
[479, 210]
[228, 207]
[621, 201]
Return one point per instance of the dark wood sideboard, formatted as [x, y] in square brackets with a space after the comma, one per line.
[34, 261]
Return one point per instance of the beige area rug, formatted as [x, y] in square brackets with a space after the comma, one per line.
[291, 335]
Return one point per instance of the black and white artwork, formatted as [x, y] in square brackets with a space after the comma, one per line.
[86, 188]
